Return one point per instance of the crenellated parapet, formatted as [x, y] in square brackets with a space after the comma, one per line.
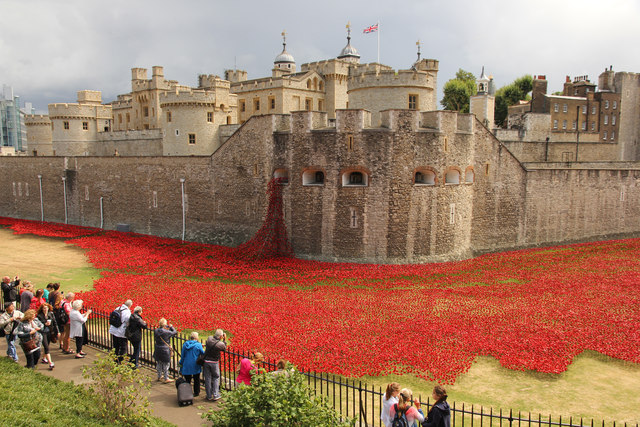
[37, 120]
[191, 97]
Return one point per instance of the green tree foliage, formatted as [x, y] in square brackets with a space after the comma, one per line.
[458, 91]
[511, 94]
[275, 400]
[119, 387]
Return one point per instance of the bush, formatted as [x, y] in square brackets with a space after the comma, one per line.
[119, 388]
[275, 400]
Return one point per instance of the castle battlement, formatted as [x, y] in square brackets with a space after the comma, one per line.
[211, 81]
[391, 78]
[79, 111]
[187, 97]
[37, 119]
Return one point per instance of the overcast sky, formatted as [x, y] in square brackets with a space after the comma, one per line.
[51, 49]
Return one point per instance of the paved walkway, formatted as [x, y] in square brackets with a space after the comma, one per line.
[162, 396]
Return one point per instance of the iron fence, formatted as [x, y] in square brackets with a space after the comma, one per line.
[350, 398]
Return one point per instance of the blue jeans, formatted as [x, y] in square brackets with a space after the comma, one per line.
[212, 379]
[136, 352]
[11, 347]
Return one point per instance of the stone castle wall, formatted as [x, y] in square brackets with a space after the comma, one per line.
[496, 202]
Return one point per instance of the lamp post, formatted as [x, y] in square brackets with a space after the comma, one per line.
[64, 190]
[41, 203]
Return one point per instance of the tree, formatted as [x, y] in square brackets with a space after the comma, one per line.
[275, 400]
[511, 94]
[458, 91]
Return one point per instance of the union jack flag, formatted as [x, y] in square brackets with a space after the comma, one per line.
[371, 29]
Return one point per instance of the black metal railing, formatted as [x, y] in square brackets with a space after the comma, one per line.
[350, 398]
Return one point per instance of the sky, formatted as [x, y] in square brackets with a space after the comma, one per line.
[49, 50]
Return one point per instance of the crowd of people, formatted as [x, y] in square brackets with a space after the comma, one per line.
[36, 320]
[397, 408]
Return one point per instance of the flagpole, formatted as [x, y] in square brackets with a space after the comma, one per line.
[378, 24]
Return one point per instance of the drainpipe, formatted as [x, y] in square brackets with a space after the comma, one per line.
[41, 204]
[101, 214]
[64, 189]
[183, 208]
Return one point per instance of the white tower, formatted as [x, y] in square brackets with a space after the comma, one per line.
[482, 104]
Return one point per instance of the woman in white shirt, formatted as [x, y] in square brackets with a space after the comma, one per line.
[76, 326]
[388, 400]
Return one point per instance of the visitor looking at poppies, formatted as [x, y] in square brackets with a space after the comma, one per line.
[248, 367]
[191, 349]
[163, 350]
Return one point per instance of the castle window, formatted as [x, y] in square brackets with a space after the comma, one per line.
[85, 125]
[413, 102]
[315, 83]
[593, 125]
[604, 135]
[192, 138]
[228, 120]
[606, 104]
[320, 105]
[168, 116]
[452, 177]
[154, 199]
[65, 125]
[312, 177]
[129, 117]
[469, 175]
[272, 103]
[308, 104]
[281, 174]
[120, 118]
[350, 142]
[584, 125]
[256, 105]
[555, 107]
[243, 106]
[321, 86]
[452, 213]
[353, 218]
[424, 177]
[146, 111]
[606, 119]
[355, 179]
[564, 108]
[209, 116]
[615, 104]
[555, 124]
[584, 109]
[573, 125]
[308, 84]
[564, 124]
[613, 135]
[613, 119]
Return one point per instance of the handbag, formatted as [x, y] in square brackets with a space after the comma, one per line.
[30, 345]
[200, 360]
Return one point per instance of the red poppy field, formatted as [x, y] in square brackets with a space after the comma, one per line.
[532, 309]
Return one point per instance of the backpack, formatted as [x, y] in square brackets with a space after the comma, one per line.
[115, 318]
[400, 419]
[61, 315]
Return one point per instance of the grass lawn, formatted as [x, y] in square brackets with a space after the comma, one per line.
[593, 386]
[30, 398]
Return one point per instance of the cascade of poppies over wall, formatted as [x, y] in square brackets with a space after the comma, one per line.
[530, 309]
[271, 240]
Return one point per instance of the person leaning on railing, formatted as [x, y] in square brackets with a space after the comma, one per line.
[162, 351]
[10, 290]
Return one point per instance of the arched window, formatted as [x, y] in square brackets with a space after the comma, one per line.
[355, 179]
[424, 177]
[452, 177]
[315, 83]
[321, 86]
[282, 173]
[313, 177]
[469, 175]
[309, 84]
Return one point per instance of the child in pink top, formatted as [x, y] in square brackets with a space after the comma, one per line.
[404, 405]
[246, 367]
